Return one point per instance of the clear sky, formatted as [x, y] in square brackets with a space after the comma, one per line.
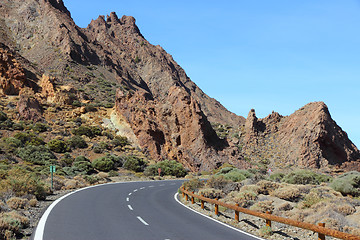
[268, 55]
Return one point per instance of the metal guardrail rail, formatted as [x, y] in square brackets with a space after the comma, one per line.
[320, 229]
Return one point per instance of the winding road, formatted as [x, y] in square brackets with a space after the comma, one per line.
[130, 210]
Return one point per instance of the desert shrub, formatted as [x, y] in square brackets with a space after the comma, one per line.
[277, 177]
[120, 141]
[17, 203]
[81, 159]
[310, 199]
[27, 138]
[22, 182]
[135, 164]
[35, 154]
[58, 146]
[263, 206]
[224, 170]
[3, 116]
[82, 167]
[67, 160]
[113, 173]
[243, 199]
[193, 184]
[10, 144]
[39, 127]
[33, 202]
[305, 177]
[104, 164]
[76, 142]
[169, 168]
[11, 224]
[90, 131]
[289, 193]
[90, 108]
[92, 179]
[265, 231]
[217, 182]
[267, 187]
[211, 193]
[237, 175]
[347, 183]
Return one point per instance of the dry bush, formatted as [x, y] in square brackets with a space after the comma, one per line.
[211, 193]
[77, 182]
[17, 203]
[218, 182]
[326, 192]
[352, 230]
[309, 200]
[345, 209]
[288, 192]
[193, 184]
[240, 198]
[250, 188]
[263, 206]
[33, 202]
[103, 175]
[267, 187]
[11, 224]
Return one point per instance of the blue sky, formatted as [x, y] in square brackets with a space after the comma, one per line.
[268, 55]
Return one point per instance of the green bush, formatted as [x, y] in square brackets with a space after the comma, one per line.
[305, 177]
[3, 116]
[40, 127]
[120, 141]
[82, 167]
[104, 164]
[29, 138]
[36, 154]
[169, 168]
[347, 183]
[58, 146]
[277, 177]
[91, 131]
[67, 160]
[235, 176]
[76, 142]
[135, 164]
[10, 144]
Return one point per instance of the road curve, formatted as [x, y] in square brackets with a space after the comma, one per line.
[131, 210]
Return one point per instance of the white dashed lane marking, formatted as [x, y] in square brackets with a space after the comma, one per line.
[129, 206]
[142, 220]
[130, 194]
[161, 185]
[151, 186]
[135, 190]
[127, 199]
[142, 188]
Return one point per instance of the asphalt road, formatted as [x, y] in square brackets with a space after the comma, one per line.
[134, 210]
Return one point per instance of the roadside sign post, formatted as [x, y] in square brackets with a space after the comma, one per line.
[52, 170]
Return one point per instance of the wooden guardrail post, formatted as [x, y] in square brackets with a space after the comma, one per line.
[216, 208]
[202, 202]
[268, 222]
[186, 197]
[321, 236]
[192, 199]
[183, 194]
[237, 214]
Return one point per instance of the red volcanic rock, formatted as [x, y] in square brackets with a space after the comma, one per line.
[12, 76]
[307, 138]
[175, 128]
[29, 108]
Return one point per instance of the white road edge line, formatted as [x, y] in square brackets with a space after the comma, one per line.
[127, 199]
[233, 228]
[142, 220]
[129, 206]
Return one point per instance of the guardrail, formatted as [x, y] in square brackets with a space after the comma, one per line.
[320, 229]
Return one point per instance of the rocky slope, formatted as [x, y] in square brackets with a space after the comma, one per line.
[51, 62]
[308, 138]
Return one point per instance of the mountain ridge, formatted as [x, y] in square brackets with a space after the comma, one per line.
[110, 62]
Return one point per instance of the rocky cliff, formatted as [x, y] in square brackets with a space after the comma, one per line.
[308, 138]
[44, 54]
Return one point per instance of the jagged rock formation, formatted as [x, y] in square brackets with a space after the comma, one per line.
[307, 138]
[42, 49]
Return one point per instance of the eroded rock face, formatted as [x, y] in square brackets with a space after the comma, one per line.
[12, 75]
[175, 128]
[307, 138]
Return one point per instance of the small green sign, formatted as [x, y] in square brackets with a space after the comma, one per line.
[52, 169]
